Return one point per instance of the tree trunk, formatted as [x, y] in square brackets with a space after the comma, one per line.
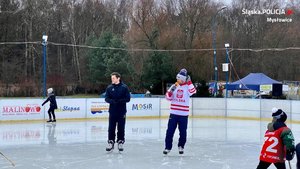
[76, 59]
[33, 62]
[60, 61]
[162, 87]
[78, 66]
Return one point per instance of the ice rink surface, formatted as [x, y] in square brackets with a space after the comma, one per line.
[211, 144]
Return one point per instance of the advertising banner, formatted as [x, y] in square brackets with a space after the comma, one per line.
[69, 108]
[21, 109]
[97, 108]
[143, 107]
[136, 107]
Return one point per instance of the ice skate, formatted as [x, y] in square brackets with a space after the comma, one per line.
[166, 151]
[180, 150]
[110, 145]
[120, 145]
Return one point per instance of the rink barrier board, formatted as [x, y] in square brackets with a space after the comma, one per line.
[148, 117]
[27, 109]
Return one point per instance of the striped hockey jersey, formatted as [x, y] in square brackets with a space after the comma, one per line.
[180, 98]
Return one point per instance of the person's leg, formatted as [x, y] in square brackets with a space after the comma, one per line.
[121, 129]
[111, 133]
[298, 155]
[172, 125]
[280, 165]
[182, 126]
[53, 115]
[49, 114]
[112, 128]
[263, 165]
[121, 132]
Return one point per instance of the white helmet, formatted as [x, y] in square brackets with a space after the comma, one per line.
[50, 90]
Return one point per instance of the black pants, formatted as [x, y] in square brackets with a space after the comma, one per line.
[265, 165]
[118, 121]
[298, 155]
[51, 111]
[182, 123]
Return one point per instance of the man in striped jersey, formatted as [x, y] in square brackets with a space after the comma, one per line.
[179, 95]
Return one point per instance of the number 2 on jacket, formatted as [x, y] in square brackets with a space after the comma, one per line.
[271, 148]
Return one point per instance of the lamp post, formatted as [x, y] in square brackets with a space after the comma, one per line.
[213, 27]
[227, 64]
[44, 43]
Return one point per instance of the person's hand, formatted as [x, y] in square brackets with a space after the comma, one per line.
[290, 154]
[172, 88]
[114, 101]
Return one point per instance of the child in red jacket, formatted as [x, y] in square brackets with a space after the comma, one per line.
[279, 142]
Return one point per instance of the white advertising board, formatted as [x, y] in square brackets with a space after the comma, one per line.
[68, 108]
[21, 109]
[143, 107]
[97, 108]
[136, 107]
[31, 109]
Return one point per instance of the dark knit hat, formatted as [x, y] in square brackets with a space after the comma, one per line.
[279, 114]
[182, 75]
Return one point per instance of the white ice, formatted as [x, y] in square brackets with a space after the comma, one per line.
[211, 144]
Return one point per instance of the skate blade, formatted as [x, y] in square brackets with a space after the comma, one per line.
[109, 151]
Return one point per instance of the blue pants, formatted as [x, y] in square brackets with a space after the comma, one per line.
[119, 122]
[182, 122]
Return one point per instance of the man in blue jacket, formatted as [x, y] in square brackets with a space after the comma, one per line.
[117, 95]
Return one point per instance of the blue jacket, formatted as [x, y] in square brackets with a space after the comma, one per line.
[117, 95]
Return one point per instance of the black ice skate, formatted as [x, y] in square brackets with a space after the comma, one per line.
[110, 145]
[49, 121]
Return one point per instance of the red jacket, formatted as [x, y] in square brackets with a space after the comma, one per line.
[273, 150]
